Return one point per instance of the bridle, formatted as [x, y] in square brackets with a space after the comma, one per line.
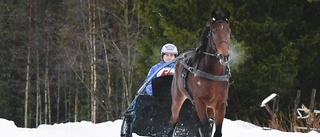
[224, 60]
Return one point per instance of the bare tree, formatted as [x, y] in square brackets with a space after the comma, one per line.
[76, 110]
[38, 106]
[28, 66]
[58, 93]
[92, 55]
[46, 92]
[107, 64]
[47, 81]
[116, 37]
[126, 22]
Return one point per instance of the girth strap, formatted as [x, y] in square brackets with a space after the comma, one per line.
[205, 74]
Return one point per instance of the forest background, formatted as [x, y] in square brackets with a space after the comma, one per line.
[73, 60]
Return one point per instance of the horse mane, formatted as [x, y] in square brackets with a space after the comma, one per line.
[204, 37]
[203, 45]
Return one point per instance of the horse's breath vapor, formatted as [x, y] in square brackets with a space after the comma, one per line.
[237, 54]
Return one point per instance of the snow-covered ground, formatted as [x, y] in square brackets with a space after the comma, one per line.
[112, 129]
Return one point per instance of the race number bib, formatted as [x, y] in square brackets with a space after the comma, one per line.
[165, 71]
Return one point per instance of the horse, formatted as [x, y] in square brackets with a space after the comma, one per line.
[203, 78]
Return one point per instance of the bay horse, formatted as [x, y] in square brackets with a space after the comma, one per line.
[203, 77]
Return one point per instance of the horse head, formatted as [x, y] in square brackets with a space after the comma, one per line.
[219, 36]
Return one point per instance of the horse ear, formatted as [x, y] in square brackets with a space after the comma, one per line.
[227, 15]
[213, 15]
[218, 15]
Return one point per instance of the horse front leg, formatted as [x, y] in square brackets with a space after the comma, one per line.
[205, 128]
[177, 100]
[219, 114]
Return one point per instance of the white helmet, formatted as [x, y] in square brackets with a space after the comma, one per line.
[169, 48]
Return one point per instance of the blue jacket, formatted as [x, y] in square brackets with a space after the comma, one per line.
[152, 71]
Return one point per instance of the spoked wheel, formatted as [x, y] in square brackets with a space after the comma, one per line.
[126, 127]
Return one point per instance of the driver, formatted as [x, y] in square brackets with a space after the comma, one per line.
[168, 52]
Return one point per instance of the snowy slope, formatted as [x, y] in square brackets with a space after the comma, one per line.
[112, 129]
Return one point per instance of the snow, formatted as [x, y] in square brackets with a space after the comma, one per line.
[230, 128]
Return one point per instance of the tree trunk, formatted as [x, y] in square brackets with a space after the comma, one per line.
[76, 107]
[69, 104]
[58, 94]
[122, 44]
[125, 88]
[65, 100]
[28, 67]
[47, 90]
[94, 63]
[47, 82]
[38, 89]
[92, 42]
[108, 82]
[38, 107]
[86, 35]
[127, 43]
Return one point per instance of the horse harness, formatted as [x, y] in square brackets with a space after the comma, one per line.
[186, 62]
